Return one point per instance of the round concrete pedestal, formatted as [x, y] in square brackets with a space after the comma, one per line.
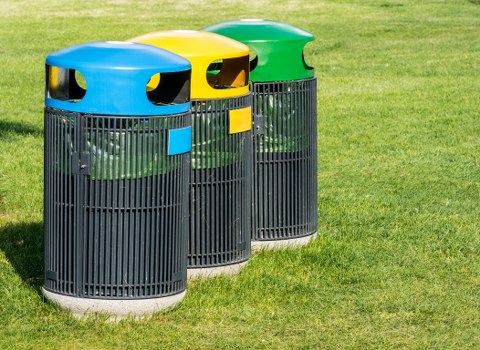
[282, 243]
[227, 270]
[116, 309]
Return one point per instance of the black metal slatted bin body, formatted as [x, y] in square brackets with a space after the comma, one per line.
[219, 186]
[116, 181]
[114, 206]
[285, 186]
[285, 137]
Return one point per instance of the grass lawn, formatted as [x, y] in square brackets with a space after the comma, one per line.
[397, 261]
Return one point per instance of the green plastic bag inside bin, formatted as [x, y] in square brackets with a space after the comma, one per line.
[284, 127]
[212, 145]
[129, 149]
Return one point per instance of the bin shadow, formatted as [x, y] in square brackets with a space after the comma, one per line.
[19, 129]
[22, 244]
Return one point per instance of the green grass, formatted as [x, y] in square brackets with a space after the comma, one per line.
[396, 263]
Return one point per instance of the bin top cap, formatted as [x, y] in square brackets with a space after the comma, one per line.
[192, 44]
[116, 74]
[202, 49]
[278, 47]
[118, 55]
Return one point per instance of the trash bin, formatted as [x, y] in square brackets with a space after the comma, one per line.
[285, 137]
[117, 163]
[220, 218]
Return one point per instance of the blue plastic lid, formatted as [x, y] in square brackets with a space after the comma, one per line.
[116, 75]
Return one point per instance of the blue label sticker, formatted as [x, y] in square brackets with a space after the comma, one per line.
[179, 140]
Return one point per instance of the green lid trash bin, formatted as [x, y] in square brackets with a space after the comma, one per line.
[285, 137]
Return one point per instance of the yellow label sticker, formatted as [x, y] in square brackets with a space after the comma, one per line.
[240, 120]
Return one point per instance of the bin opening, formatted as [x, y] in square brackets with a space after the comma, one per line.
[169, 88]
[65, 84]
[253, 57]
[253, 63]
[228, 73]
[307, 48]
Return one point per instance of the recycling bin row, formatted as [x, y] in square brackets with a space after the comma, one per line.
[160, 164]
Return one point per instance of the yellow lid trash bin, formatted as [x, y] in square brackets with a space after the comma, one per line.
[220, 184]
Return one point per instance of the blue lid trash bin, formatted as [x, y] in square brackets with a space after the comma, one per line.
[285, 131]
[117, 163]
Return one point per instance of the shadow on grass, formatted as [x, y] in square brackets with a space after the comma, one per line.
[23, 129]
[23, 246]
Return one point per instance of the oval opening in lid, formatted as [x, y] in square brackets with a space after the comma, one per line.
[165, 89]
[228, 73]
[65, 84]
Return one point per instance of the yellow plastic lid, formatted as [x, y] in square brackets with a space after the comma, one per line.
[220, 65]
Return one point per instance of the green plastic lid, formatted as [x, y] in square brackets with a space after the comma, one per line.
[278, 48]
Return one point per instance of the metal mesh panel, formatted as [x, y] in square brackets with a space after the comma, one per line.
[116, 206]
[285, 165]
[220, 221]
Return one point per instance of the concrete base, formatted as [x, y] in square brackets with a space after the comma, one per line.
[227, 270]
[114, 309]
[283, 243]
